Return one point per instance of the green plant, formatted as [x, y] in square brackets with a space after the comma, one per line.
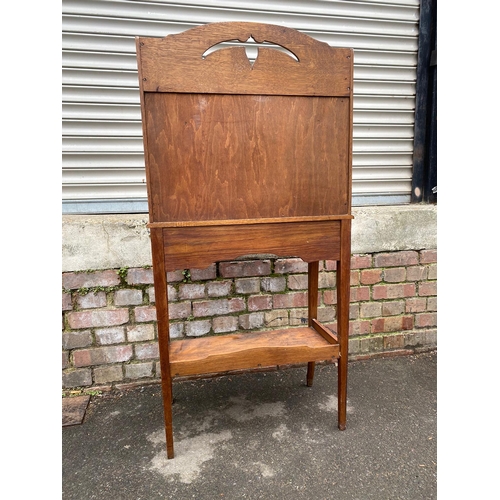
[122, 272]
[80, 391]
[94, 289]
[92, 392]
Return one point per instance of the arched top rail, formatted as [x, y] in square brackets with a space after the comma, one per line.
[176, 63]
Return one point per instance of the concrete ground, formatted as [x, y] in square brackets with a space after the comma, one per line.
[264, 436]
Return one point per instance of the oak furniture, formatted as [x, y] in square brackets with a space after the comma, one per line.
[248, 157]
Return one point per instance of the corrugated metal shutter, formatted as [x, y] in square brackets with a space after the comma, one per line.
[103, 163]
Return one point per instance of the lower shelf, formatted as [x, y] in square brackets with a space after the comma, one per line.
[249, 350]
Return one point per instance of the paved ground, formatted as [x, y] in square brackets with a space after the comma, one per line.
[264, 436]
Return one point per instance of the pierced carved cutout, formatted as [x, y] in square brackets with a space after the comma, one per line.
[251, 47]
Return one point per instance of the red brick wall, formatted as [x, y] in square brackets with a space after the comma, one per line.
[109, 330]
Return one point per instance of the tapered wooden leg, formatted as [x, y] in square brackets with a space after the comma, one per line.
[160, 283]
[312, 304]
[310, 373]
[343, 299]
[167, 412]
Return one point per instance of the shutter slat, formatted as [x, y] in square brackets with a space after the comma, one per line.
[103, 163]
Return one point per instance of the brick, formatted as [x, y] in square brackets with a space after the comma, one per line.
[432, 304]
[370, 276]
[298, 317]
[273, 284]
[97, 318]
[276, 318]
[219, 288]
[108, 374]
[377, 325]
[413, 339]
[145, 313]
[218, 307]
[423, 320]
[361, 261]
[394, 341]
[397, 323]
[139, 370]
[66, 302]
[408, 322]
[415, 304]
[361, 327]
[376, 344]
[102, 355]
[128, 297]
[427, 288]
[330, 265]
[432, 272]
[353, 311]
[72, 281]
[395, 275]
[209, 273]
[327, 280]
[354, 278]
[393, 308]
[65, 359]
[416, 273]
[114, 335]
[298, 282]
[290, 300]
[147, 351]
[371, 310]
[91, 300]
[180, 310]
[431, 337]
[396, 259]
[260, 302]
[326, 314]
[77, 378]
[242, 269]
[225, 324]
[198, 328]
[393, 324]
[175, 276]
[393, 291]
[247, 285]
[251, 321]
[191, 291]
[330, 297]
[176, 330]
[139, 276]
[364, 345]
[74, 340]
[428, 256]
[140, 333]
[172, 293]
[288, 266]
[360, 293]
[353, 346]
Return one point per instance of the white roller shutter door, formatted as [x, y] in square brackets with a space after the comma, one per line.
[103, 162]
